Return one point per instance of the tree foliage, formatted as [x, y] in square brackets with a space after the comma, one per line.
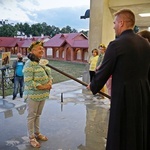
[7, 30]
[20, 29]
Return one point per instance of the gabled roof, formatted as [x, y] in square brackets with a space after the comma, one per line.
[25, 43]
[7, 41]
[73, 39]
[14, 42]
[80, 44]
[20, 41]
[55, 41]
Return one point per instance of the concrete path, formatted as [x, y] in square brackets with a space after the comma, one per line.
[77, 123]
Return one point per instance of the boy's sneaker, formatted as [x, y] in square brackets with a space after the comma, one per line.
[13, 97]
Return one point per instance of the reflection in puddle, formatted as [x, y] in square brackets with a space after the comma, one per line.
[8, 113]
[83, 118]
[21, 109]
[5, 104]
[7, 109]
[95, 129]
[78, 123]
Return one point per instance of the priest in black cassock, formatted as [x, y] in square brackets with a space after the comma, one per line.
[127, 59]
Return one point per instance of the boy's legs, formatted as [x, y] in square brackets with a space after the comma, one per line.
[16, 86]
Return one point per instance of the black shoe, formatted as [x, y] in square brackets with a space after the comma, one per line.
[21, 95]
[13, 97]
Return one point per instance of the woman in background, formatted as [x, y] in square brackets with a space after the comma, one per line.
[92, 62]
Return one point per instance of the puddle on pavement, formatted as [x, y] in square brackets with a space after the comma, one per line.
[76, 124]
[6, 105]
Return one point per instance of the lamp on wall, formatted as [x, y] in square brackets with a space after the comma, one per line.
[87, 14]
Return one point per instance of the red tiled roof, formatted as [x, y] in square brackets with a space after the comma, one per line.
[14, 42]
[73, 39]
[7, 41]
[80, 44]
[20, 41]
[55, 41]
[25, 43]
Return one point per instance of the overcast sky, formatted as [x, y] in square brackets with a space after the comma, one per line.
[59, 13]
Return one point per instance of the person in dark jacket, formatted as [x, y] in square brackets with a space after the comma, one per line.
[127, 59]
[145, 34]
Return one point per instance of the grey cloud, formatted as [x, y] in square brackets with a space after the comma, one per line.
[62, 17]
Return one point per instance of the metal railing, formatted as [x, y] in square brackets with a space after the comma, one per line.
[6, 76]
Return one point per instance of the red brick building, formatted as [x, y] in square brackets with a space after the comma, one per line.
[17, 44]
[67, 47]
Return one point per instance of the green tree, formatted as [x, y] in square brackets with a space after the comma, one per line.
[54, 31]
[48, 30]
[84, 32]
[27, 29]
[68, 29]
[74, 31]
[20, 28]
[34, 29]
[44, 28]
[8, 30]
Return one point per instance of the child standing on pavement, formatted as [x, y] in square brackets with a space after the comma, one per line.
[92, 62]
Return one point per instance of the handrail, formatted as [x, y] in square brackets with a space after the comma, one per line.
[77, 80]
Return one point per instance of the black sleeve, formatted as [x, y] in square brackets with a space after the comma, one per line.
[106, 69]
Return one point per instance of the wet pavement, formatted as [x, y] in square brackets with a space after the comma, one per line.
[72, 119]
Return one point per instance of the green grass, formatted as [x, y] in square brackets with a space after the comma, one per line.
[74, 69]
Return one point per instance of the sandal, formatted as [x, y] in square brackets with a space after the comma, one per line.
[41, 137]
[34, 143]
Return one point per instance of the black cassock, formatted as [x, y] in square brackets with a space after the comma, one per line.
[127, 59]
